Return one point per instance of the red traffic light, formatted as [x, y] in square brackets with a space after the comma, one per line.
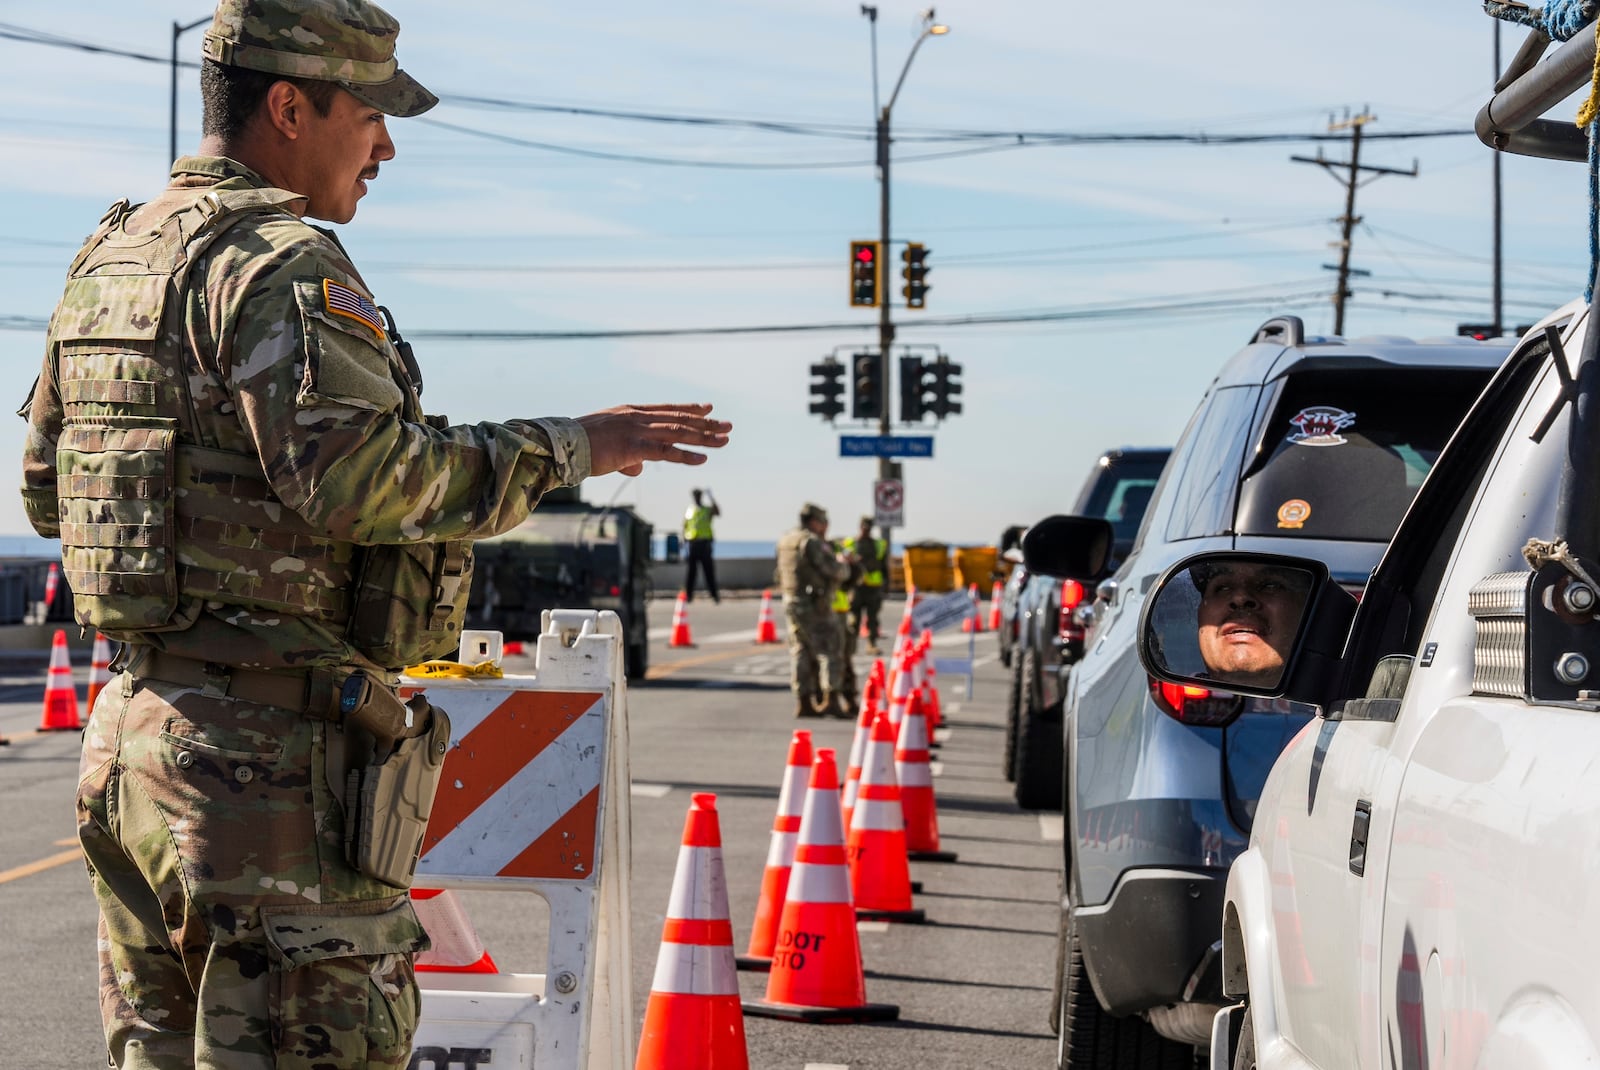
[864, 254]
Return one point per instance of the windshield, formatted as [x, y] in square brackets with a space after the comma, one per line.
[1344, 452]
[1119, 491]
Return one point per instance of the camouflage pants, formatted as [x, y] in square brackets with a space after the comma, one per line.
[815, 661]
[865, 604]
[232, 931]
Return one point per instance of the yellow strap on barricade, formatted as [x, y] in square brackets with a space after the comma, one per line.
[439, 670]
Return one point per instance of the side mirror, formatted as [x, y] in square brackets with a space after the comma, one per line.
[1255, 624]
[1076, 547]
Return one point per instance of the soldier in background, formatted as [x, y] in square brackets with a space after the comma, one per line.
[227, 438]
[809, 573]
[866, 598]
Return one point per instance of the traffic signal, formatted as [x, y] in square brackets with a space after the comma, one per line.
[866, 274]
[826, 388]
[945, 388]
[912, 405]
[867, 401]
[916, 275]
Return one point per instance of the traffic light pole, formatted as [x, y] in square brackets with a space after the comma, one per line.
[885, 323]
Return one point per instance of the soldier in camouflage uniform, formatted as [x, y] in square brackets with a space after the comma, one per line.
[227, 438]
[809, 574]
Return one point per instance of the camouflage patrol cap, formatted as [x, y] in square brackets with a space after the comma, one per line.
[811, 511]
[350, 42]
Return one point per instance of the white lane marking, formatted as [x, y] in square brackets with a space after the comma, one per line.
[936, 768]
[942, 735]
[954, 707]
[987, 659]
[1052, 827]
[651, 791]
[825, 1066]
[872, 926]
[660, 633]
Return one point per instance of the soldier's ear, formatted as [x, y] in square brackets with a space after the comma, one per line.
[284, 109]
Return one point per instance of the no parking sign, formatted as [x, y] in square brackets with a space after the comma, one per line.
[888, 503]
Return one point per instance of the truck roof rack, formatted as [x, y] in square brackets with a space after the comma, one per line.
[1286, 330]
[1512, 119]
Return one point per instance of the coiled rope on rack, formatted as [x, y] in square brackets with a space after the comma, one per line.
[1562, 20]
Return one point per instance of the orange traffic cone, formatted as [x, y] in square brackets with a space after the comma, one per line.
[692, 1021]
[916, 787]
[899, 690]
[99, 668]
[930, 704]
[816, 969]
[973, 623]
[52, 583]
[858, 750]
[996, 595]
[766, 627]
[880, 877]
[680, 622]
[60, 694]
[780, 855]
[456, 947]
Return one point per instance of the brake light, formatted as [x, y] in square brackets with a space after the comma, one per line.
[1071, 598]
[1196, 705]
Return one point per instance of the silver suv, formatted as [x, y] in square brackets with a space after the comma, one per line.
[1308, 446]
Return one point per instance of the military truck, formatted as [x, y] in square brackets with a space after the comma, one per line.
[569, 554]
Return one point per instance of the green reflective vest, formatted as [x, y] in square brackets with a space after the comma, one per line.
[697, 523]
[872, 566]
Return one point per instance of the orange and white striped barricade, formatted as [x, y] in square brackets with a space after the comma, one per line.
[534, 799]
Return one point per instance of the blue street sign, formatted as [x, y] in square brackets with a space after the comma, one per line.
[886, 445]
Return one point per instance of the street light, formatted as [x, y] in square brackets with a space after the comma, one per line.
[930, 28]
[178, 30]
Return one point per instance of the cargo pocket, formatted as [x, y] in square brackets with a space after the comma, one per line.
[342, 988]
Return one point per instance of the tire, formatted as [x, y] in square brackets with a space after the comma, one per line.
[1038, 762]
[1244, 1052]
[636, 660]
[1013, 707]
[1091, 1039]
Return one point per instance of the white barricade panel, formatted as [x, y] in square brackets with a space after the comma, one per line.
[529, 801]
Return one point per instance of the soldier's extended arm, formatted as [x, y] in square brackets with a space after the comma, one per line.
[317, 394]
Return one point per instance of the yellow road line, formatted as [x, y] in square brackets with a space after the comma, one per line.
[656, 672]
[40, 866]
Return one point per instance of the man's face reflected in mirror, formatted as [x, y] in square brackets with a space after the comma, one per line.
[1248, 616]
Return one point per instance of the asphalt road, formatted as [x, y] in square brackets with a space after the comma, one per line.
[973, 985]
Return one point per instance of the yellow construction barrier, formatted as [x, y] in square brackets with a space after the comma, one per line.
[927, 568]
[976, 564]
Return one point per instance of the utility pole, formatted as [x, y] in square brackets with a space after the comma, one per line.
[178, 30]
[1351, 183]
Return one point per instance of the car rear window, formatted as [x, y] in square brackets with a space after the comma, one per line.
[1343, 452]
[1120, 492]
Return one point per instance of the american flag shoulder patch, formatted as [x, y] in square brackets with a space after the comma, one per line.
[341, 300]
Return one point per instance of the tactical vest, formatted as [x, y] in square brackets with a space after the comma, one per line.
[870, 577]
[154, 525]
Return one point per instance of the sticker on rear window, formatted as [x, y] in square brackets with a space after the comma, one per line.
[1319, 425]
[1294, 513]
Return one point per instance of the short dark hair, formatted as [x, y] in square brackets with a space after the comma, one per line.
[231, 96]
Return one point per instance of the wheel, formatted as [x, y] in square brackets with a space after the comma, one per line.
[1091, 1038]
[1037, 764]
[636, 660]
[1244, 1052]
[1013, 707]
[1004, 643]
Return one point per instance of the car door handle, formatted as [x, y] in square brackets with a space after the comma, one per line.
[1106, 592]
[1358, 837]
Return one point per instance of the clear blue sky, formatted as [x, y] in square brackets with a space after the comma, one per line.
[461, 232]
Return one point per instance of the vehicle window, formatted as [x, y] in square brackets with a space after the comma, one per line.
[1203, 492]
[1343, 452]
[1120, 492]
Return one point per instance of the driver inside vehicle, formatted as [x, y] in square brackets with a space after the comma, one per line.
[1247, 619]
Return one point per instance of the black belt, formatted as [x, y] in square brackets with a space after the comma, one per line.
[313, 692]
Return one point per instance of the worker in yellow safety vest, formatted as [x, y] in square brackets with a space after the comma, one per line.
[841, 616]
[866, 599]
[697, 536]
